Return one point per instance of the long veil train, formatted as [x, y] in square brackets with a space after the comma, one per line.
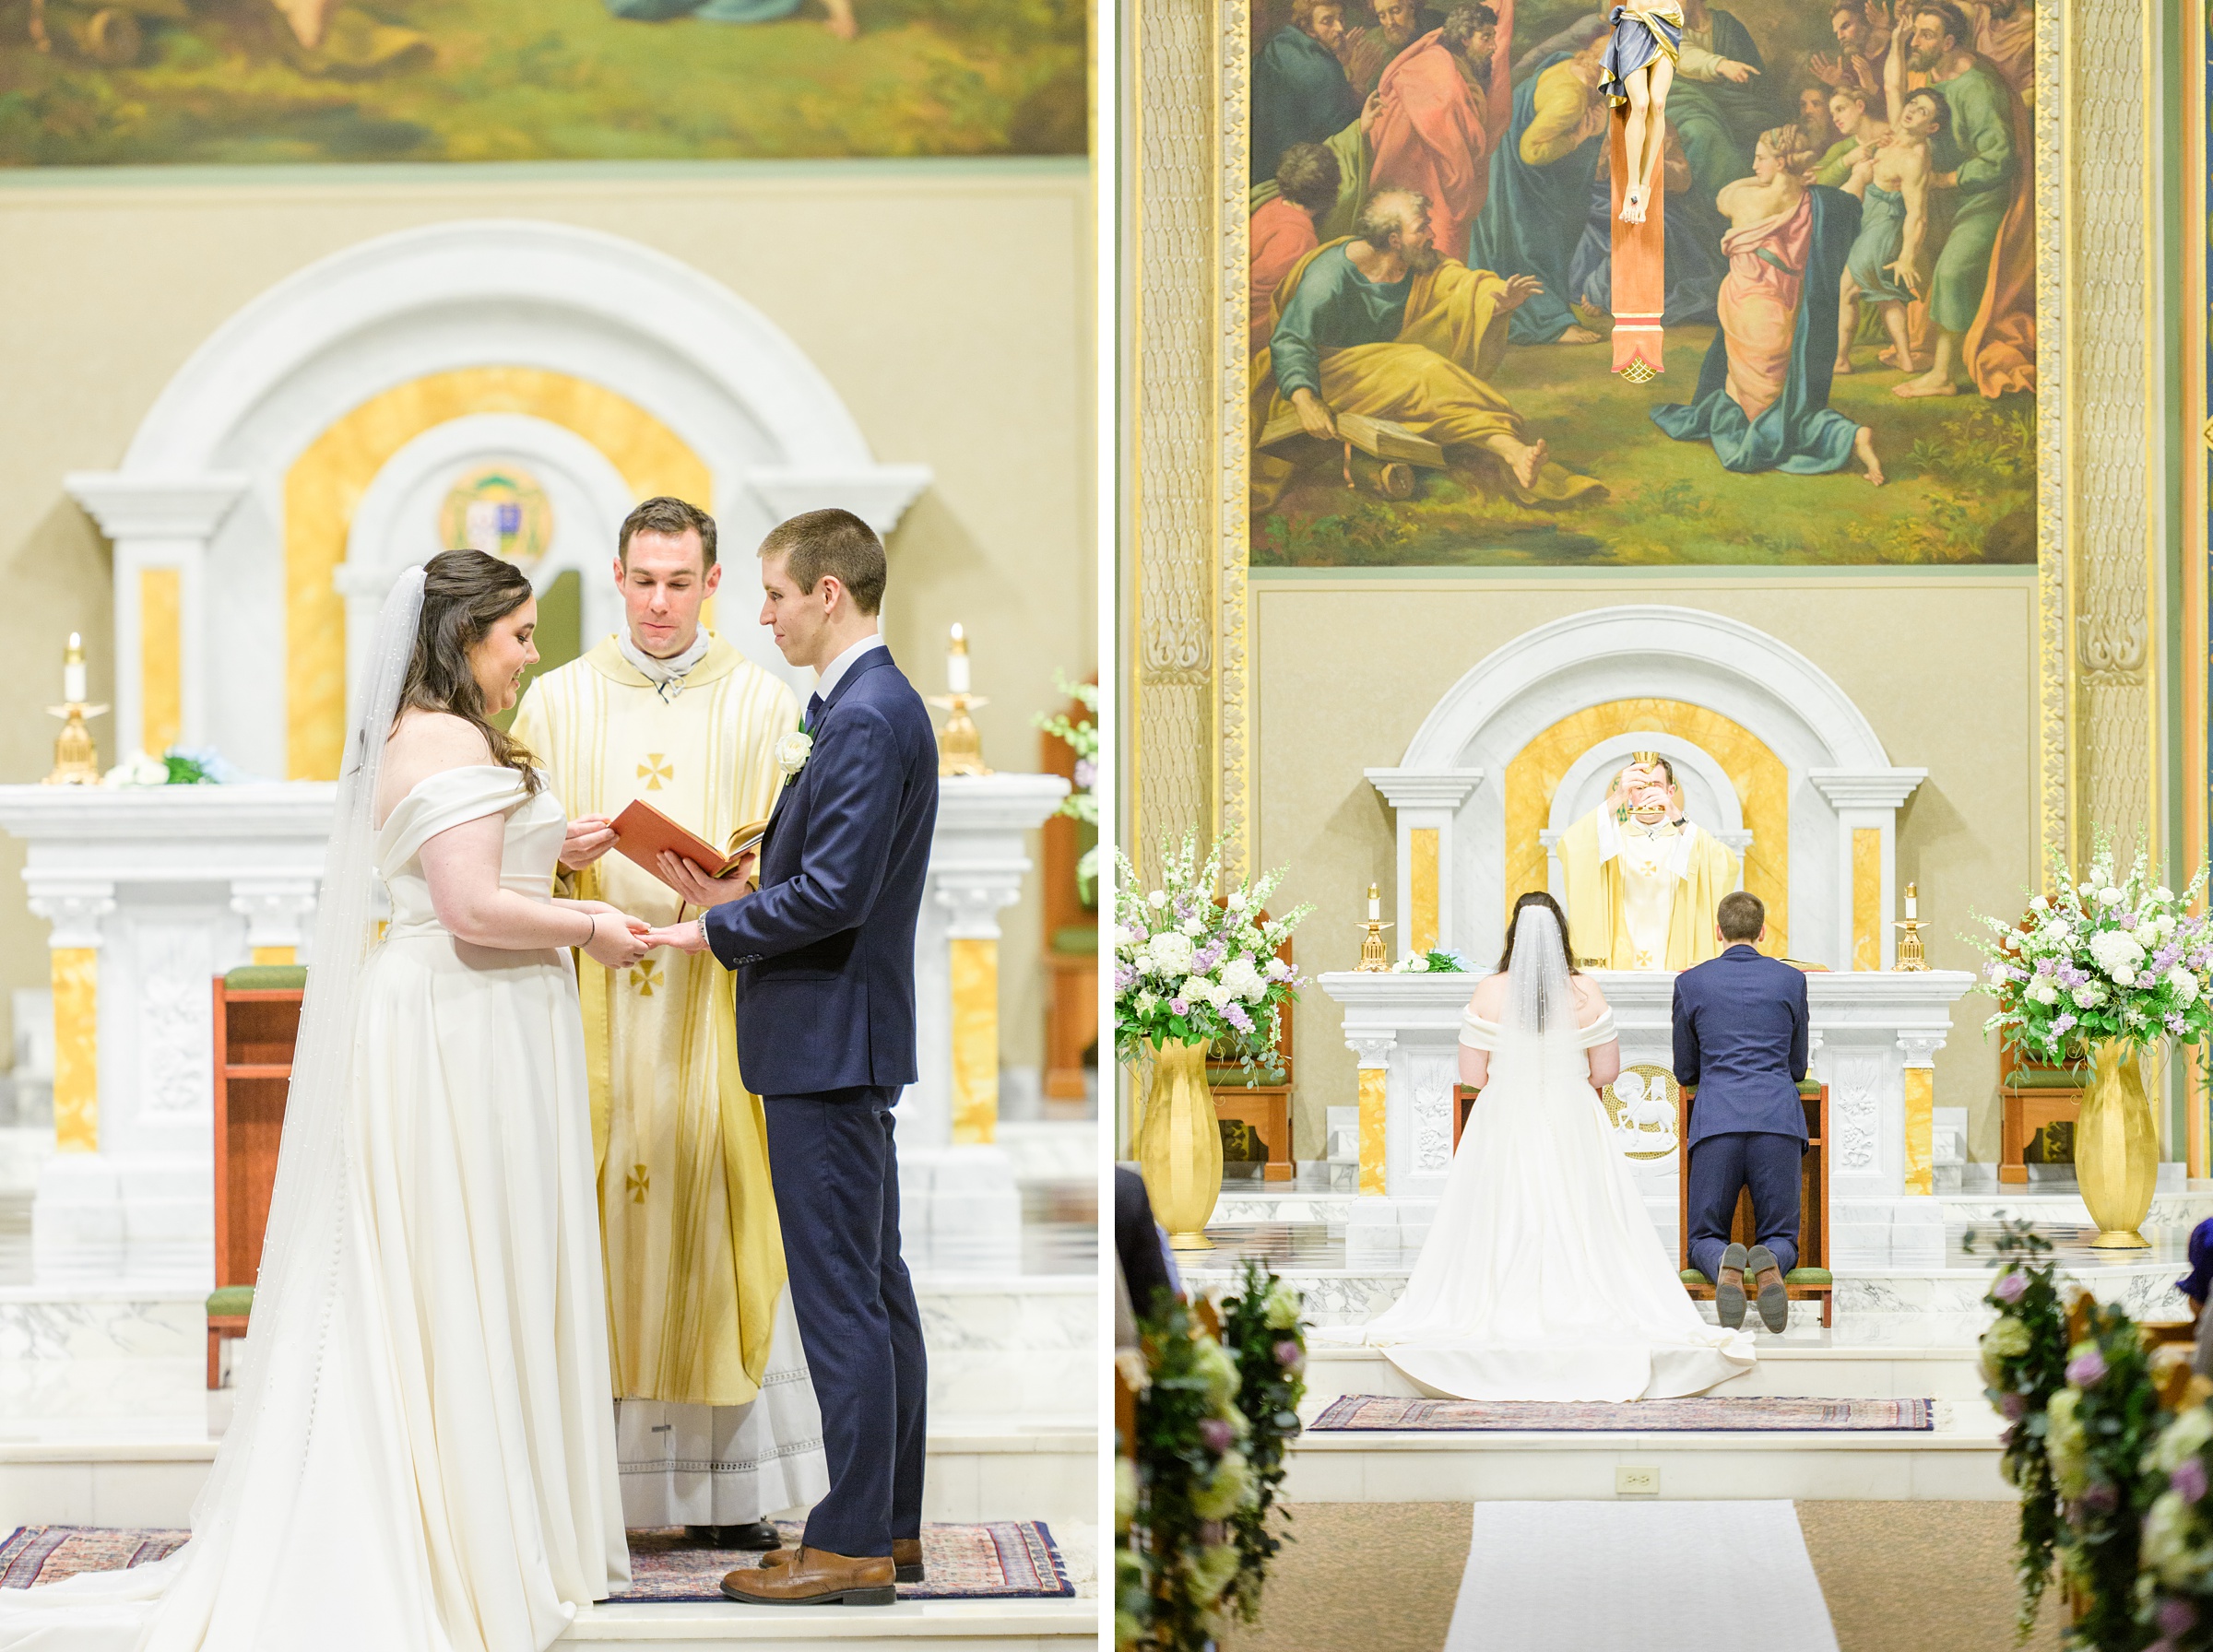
[246, 1522]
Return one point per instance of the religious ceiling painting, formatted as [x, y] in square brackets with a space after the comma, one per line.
[1848, 363]
[134, 82]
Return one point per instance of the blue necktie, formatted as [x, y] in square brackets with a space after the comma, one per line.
[814, 711]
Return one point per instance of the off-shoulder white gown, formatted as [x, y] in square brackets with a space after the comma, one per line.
[459, 1490]
[1542, 1277]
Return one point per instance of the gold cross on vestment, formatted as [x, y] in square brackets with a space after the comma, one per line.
[654, 769]
[645, 977]
[636, 1183]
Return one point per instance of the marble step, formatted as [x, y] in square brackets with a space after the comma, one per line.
[978, 1469]
[1959, 1461]
[1818, 1371]
[938, 1625]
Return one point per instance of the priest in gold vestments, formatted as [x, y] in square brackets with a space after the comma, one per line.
[1642, 882]
[716, 1421]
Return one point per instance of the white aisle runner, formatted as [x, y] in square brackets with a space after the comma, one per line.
[1655, 1576]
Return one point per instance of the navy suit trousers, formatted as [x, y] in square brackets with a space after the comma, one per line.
[836, 1168]
[1723, 1165]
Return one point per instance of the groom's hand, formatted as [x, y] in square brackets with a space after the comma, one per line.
[695, 886]
[588, 838]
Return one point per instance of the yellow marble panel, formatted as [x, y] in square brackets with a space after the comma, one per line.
[1421, 933]
[75, 1048]
[160, 658]
[284, 955]
[975, 1040]
[1762, 782]
[1867, 897]
[1372, 1082]
[1921, 1129]
[326, 484]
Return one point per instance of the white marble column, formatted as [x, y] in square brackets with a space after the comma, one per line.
[159, 521]
[1427, 802]
[1865, 800]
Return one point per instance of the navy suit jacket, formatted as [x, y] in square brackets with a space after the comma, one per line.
[824, 953]
[1741, 1027]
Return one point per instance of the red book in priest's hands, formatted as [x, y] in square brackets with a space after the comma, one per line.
[643, 832]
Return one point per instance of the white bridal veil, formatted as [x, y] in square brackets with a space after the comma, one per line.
[205, 1595]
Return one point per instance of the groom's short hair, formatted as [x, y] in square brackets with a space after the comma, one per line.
[674, 517]
[1741, 915]
[831, 542]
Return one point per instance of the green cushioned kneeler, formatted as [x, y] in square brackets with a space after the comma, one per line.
[1797, 1276]
[2046, 1078]
[267, 977]
[230, 1301]
[1076, 938]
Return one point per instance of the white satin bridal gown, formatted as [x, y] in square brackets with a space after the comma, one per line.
[455, 1486]
[1542, 1277]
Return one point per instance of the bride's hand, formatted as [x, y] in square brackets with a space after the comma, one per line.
[617, 941]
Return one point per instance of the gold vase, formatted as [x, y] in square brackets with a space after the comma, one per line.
[1179, 1145]
[2117, 1147]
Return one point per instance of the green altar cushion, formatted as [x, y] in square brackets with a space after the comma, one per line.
[1797, 1276]
[230, 1301]
[2046, 1078]
[1076, 938]
[1808, 1089]
[267, 977]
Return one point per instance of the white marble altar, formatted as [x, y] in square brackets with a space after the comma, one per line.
[1870, 1031]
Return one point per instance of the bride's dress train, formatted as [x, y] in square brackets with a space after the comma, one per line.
[1542, 1277]
[423, 1458]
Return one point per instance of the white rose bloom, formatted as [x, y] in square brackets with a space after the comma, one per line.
[2117, 950]
[2124, 977]
[2112, 896]
[1278, 970]
[1419, 963]
[1236, 902]
[2038, 905]
[1194, 928]
[2085, 889]
[2162, 893]
[1171, 952]
[1157, 899]
[2183, 983]
[2046, 992]
[1147, 1002]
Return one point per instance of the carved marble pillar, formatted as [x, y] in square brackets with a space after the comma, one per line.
[1375, 1078]
[1427, 803]
[1920, 1049]
[280, 912]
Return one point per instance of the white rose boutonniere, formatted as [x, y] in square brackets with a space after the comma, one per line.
[792, 752]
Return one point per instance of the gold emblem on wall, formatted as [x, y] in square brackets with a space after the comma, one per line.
[1643, 1105]
[500, 510]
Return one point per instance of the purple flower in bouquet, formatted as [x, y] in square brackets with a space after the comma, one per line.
[1087, 773]
[1178, 1007]
[2175, 1024]
[2015, 1406]
[2127, 920]
[1124, 978]
[2189, 1479]
[1218, 1435]
[1237, 1016]
[1206, 957]
[2163, 960]
[1291, 1357]
[2010, 1287]
[2087, 1369]
[2060, 1023]
[2101, 1498]
[2177, 1617]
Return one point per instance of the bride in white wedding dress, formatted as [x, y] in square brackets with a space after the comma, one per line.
[1542, 1278]
[422, 1456]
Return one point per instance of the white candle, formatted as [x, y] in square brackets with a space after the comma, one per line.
[1374, 904]
[73, 672]
[1910, 903]
[956, 663]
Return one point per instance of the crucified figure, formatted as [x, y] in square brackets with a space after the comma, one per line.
[1638, 69]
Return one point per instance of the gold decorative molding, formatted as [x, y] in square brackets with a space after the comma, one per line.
[974, 964]
[1867, 913]
[76, 977]
[1761, 780]
[326, 484]
[161, 659]
[1422, 890]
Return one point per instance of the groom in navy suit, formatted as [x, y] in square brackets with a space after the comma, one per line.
[1741, 1036]
[825, 956]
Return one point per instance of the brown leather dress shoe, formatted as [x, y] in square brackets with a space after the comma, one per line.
[906, 1560]
[815, 1577]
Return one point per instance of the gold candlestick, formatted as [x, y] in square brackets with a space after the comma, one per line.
[960, 745]
[1910, 953]
[1374, 959]
[76, 758]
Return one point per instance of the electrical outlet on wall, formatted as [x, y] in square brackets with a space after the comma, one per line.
[1630, 1482]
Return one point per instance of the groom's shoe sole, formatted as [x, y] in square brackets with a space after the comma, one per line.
[1774, 1298]
[859, 1597]
[1729, 1294]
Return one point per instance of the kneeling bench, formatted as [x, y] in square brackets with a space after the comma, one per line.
[1801, 1284]
[257, 1026]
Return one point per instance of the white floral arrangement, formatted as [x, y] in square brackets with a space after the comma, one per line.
[1188, 969]
[2111, 957]
[1437, 960]
[792, 752]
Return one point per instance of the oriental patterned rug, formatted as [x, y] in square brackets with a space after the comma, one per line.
[1722, 1415]
[989, 1560]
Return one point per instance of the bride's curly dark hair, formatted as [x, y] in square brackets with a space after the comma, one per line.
[465, 593]
[1537, 897]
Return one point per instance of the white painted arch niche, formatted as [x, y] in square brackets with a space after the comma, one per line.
[201, 487]
[1839, 777]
